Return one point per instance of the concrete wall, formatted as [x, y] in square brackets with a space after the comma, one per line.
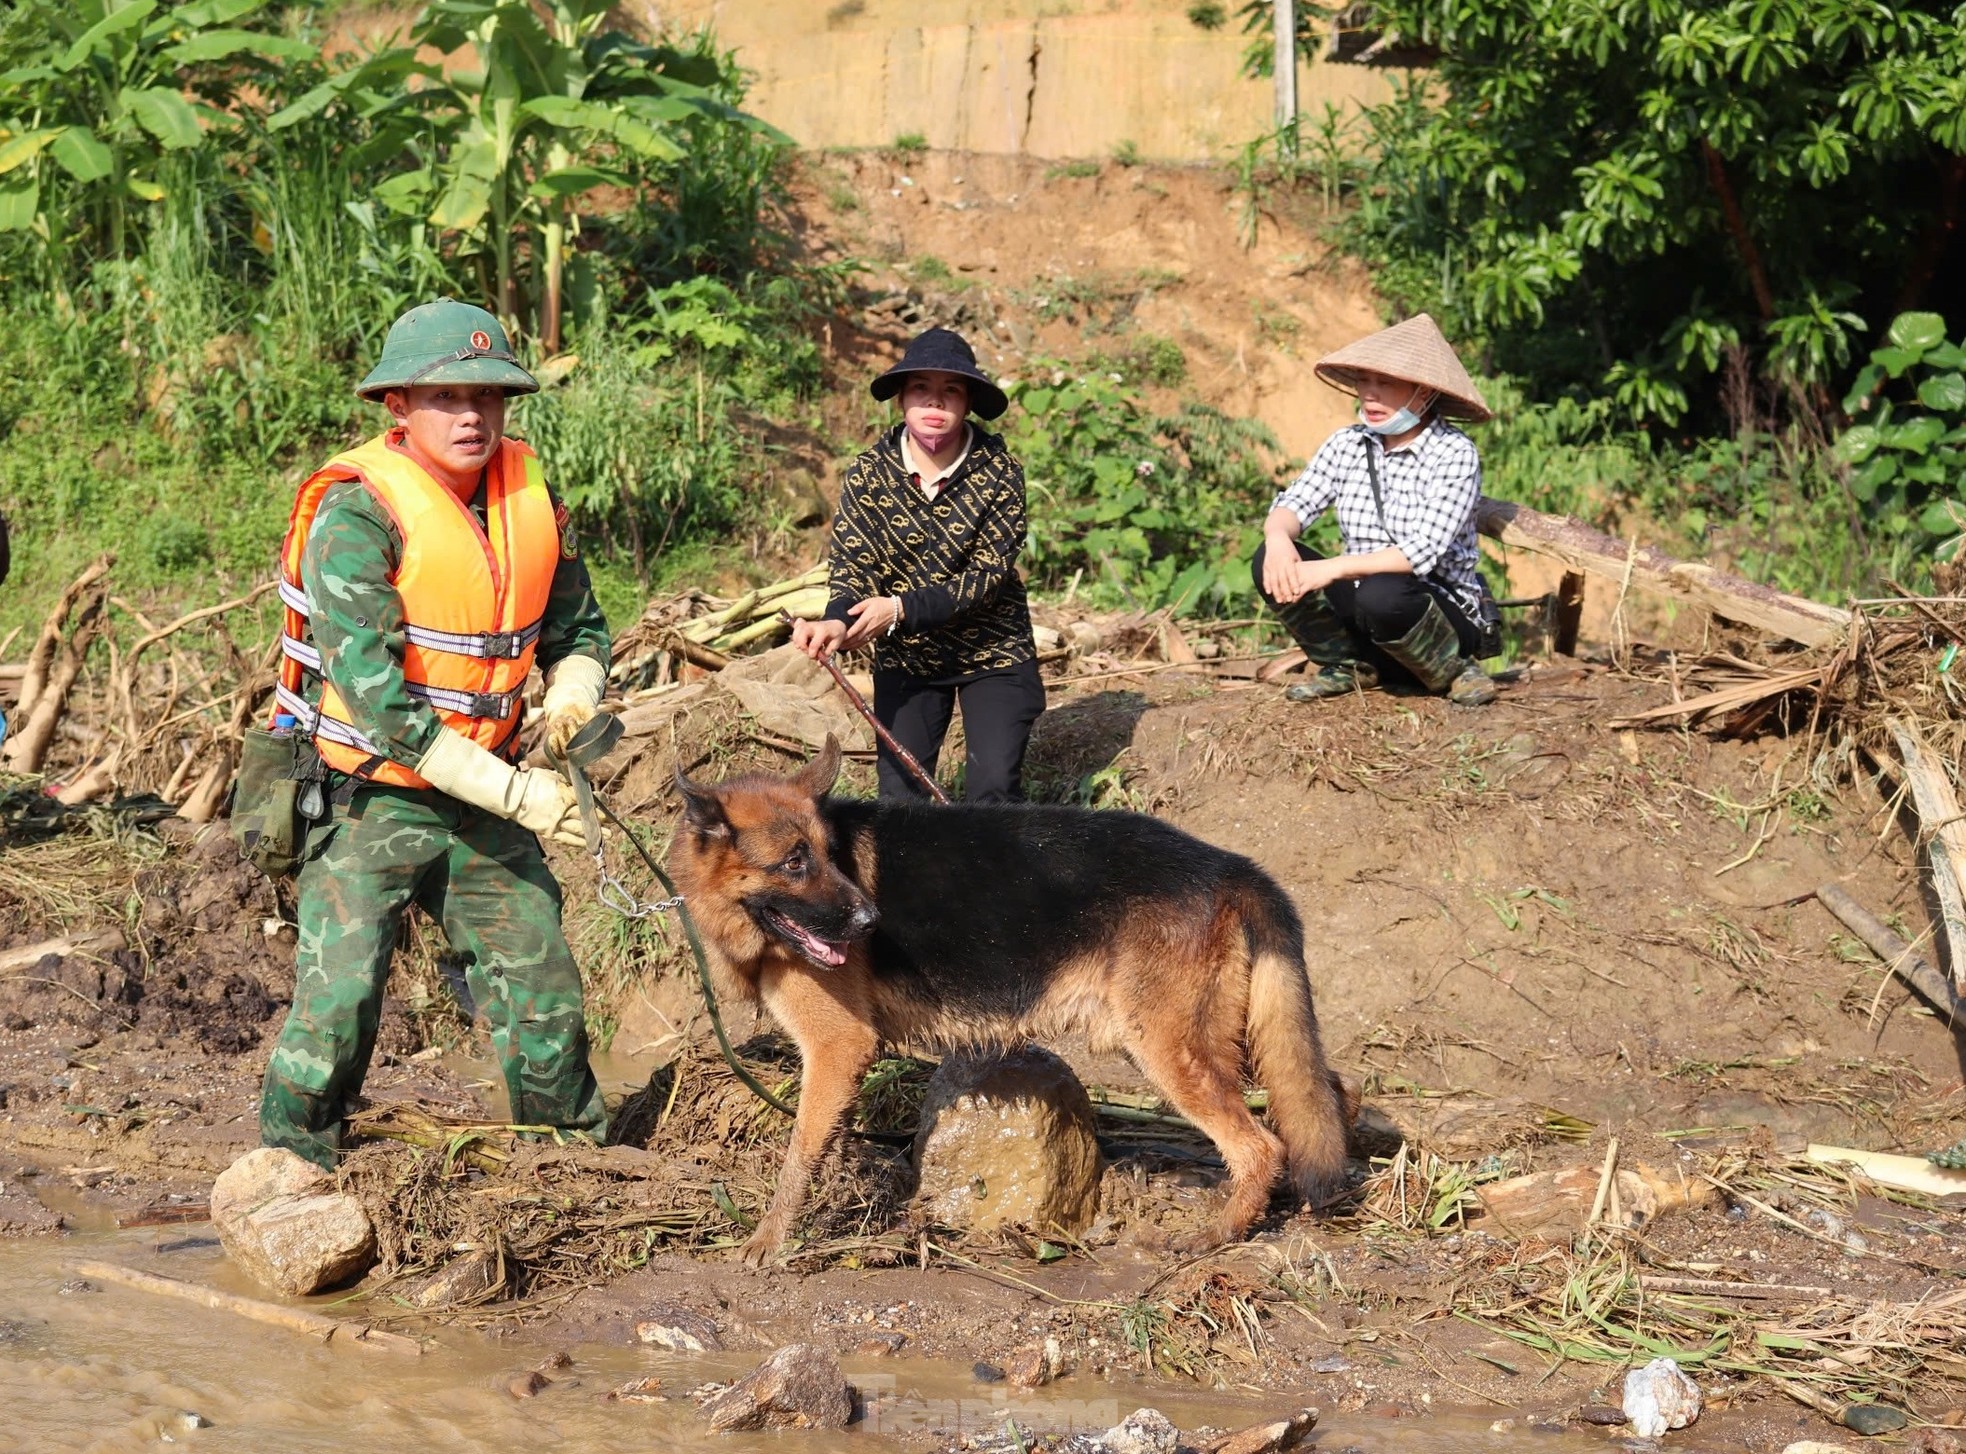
[1052, 78]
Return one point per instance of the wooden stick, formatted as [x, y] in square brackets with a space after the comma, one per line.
[294, 1320]
[1925, 981]
[1714, 1287]
[1604, 1180]
[1938, 816]
[25, 956]
[859, 704]
[1906, 1173]
[1580, 547]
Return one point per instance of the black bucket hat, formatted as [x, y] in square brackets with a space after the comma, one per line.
[945, 350]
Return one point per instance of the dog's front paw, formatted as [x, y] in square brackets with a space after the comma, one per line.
[762, 1245]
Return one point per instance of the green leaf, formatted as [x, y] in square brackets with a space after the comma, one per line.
[572, 181]
[17, 151]
[80, 154]
[1945, 393]
[1037, 401]
[464, 204]
[1919, 332]
[1915, 435]
[166, 115]
[18, 205]
[212, 45]
[1857, 444]
[1880, 471]
[1946, 356]
[1050, 1252]
[407, 193]
[1862, 387]
[1895, 360]
[213, 12]
[144, 191]
[114, 23]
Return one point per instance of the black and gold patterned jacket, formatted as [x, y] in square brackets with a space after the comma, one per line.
[952, 560]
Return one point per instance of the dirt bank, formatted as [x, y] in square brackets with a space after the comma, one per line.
[1511, 914]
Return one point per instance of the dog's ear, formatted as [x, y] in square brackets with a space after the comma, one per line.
[703, 810]
[818, 776]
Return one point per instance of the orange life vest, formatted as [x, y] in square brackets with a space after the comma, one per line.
[473, 599]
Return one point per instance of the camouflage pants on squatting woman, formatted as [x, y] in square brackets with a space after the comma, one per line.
[485, 880]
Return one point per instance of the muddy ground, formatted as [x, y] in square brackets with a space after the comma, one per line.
[1510, 914]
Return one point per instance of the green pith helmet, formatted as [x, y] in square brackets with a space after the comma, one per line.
[446, 342]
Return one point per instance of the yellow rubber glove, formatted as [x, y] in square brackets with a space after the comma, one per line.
[540, 800]
[573, 691]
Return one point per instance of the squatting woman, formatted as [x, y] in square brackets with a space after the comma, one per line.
[1405, 596]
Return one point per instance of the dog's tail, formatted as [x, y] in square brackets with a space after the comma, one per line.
[1309, 1106]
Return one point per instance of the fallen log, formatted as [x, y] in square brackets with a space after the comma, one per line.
[40, 660]
[294, 1320]
[56, 663]
[26, 956]
[1917, 972]
[1580, 547]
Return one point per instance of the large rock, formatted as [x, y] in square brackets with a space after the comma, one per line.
[798, 1387]
[1007, 1139]
[281, 1219]
[1273, 1437]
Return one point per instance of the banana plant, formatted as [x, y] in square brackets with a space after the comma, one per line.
[559, 107]
[95, 94]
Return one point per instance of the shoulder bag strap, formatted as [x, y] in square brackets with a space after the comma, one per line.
[1372, 473]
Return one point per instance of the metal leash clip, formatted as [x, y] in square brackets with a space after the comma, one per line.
[588, 746]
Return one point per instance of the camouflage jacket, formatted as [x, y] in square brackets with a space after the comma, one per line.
[347, 570]
[952, 560]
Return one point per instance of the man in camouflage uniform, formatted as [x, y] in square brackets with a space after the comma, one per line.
[464, 847]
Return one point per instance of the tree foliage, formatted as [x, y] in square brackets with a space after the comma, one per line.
[1620, 193]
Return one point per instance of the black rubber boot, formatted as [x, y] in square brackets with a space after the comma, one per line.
[1432, 652]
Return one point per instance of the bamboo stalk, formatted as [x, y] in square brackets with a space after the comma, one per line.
[294, 1320]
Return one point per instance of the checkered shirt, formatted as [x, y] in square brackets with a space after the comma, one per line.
[1430, 488]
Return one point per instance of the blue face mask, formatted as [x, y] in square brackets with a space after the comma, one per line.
[1402, 419]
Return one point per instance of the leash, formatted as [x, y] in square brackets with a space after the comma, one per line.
[901, 754]
[590, 744]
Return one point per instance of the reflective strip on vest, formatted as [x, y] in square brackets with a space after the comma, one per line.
[315, 725]
[495, 706]
[484, 645]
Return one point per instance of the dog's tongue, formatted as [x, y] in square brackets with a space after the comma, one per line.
[819, 949]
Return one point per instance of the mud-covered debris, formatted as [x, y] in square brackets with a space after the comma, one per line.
[281, 1220]
[798, 1387]
[640, 1391]
[1035, 1364]
[880, 1345]
[1603, 1414]
[459, 1282]
[1554, 1205]
[1936, 1441]
[986, 1373]
[1658, 1397]
[1272, 1437]
[678, 1329]
[75, 1286]
[528, 1384]
[1814, 1446]
[1007, 1140]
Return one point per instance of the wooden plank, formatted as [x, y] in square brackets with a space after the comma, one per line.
[1580, 547]
[1938, 817]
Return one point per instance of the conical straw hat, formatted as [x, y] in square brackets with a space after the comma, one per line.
[1416, 351]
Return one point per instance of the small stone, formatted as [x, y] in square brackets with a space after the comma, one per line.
[1502, 1426]
[1935, 1441]
[186, 1419]
[880, 1345]
[1271, 1438]
[1330, 1363]
[1144, 1431]
[986, 1373]
[798, 1387]
[1035, 1364]
[76, 1285]
[1603, 1414]
[1870, 1419]
[679, 1329]
[1658, 1398]
[640, 1391]
[528, 1384]
[1814, 1446]
[554, 1362]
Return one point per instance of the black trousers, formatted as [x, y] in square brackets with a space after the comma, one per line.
[1382, 607]
[998, 711]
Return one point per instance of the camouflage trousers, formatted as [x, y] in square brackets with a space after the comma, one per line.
[485, 880]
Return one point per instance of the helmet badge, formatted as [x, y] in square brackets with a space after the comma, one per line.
[481, 341]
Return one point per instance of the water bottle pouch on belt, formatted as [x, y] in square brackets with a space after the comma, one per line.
[278, 793]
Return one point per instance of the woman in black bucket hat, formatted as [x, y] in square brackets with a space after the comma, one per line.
[924, 555]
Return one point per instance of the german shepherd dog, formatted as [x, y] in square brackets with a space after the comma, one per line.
[856, 923]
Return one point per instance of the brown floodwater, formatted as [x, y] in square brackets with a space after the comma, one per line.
[115, 1369]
